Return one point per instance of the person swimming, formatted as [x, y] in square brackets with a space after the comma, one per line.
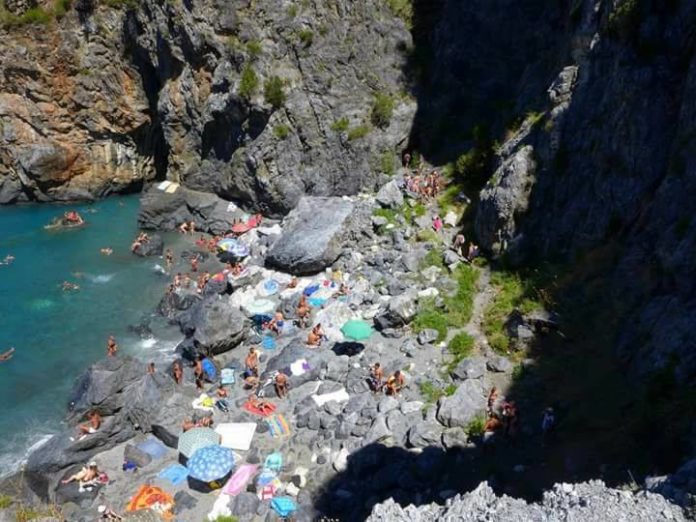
[106, 251]
[67, 286]
[7, 355]
[7, 260]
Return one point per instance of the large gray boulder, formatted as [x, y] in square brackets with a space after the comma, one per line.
[312, 237]
[504, 199]
[467, 402]
[129, 401]
[215, 324]
[400, 311]
[390, 195]
[153, 247]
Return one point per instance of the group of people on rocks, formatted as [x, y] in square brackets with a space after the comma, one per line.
[392, 386]
[468, 251]
[187, 227]
[424, 186]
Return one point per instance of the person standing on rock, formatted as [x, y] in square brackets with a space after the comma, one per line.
[492, 397]
[169, 259]
[281, 385]
[177, 372]
[151, 368]
[376, 377]
[194, 264]
[252, 361]
[111, 346]
[303, 312]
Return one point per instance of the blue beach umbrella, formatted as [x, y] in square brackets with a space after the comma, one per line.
[208, 467]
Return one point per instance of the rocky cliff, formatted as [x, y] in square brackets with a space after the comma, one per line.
[257, 101]
[606, 164]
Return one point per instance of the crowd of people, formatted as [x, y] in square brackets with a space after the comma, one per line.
[142, 239]
[392, 386]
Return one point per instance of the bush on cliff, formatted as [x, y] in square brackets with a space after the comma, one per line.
[248, 83]
[273, 92]
[382, 110]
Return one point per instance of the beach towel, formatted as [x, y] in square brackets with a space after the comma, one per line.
[172, 188]
[227, 376]
[299, 367]
[268, 343]
[153, 498]
[240, 479]
[338, 396]
[236, 435]
[274, 462]
[248, 407]
[204, 403]
[267, 492]
[164, 185]
[176, 474]
[153, 447]
[316, 302]
[284, 506]
[278, 426]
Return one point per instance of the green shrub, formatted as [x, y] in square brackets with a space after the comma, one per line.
[5, 501]
[273, 92]
[226, 518]
[340, 125]
[511, 293]
[306, 37]
[248, 83]
[460, 306]
[386, 163]
[428, 235]
[430, 393]
[292, 11]
[432, 258]
[475, 427]
[281, 131]
[403, 9]
[431, 318]
[254, 48]
[61, 7]
[382, 109]
[624, 19]
[359, 131]
[450, 389]
[461, 346]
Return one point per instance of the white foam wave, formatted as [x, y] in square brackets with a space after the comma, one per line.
[159, 269]
[13, 457]
[148, 343]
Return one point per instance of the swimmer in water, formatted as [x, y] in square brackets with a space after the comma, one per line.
[7, 260]
[67, 286]
[6, 356]
[107, 251]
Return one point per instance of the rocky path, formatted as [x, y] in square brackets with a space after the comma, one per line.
[482, 299]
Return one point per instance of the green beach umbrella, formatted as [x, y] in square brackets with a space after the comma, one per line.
[196, 438]
[357, 330]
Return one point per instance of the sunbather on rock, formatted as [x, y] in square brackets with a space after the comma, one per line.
[86, 477]
[315, 336]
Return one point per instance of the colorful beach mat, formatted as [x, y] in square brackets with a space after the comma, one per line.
[278, 426]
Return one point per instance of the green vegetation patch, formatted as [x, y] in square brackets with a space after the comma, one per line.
[281, 131]
[403, 9]
[386, 163]
[306, 36]
[429, 317]
[382, 110]
[460, 347]
[511, 292]
[254, 48]
[248, 83]
[273, 92]
[5, 501]
[359, 131]
[340, 125]
[476, 426]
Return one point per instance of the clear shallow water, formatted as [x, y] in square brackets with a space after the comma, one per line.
[57, 334]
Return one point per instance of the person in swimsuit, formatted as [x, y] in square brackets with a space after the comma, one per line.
[395, 383]
[315, 336]
[281, 385]
[252, 362]
[6, 356]
[87, 476]
[111, 346]
[177, 372]
[376, 377]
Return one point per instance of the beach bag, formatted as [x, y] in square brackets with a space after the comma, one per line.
[274, 462]
[284, 506]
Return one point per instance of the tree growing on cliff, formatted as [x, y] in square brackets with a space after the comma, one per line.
[273, 92]
[248, 83]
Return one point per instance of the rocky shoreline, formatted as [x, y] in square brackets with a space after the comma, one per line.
[341, 458]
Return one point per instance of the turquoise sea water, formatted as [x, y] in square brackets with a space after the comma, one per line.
[56, 334]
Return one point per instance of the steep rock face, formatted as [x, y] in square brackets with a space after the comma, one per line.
[615, 170]
[225, 136]
[73, 113]
[104, 99]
